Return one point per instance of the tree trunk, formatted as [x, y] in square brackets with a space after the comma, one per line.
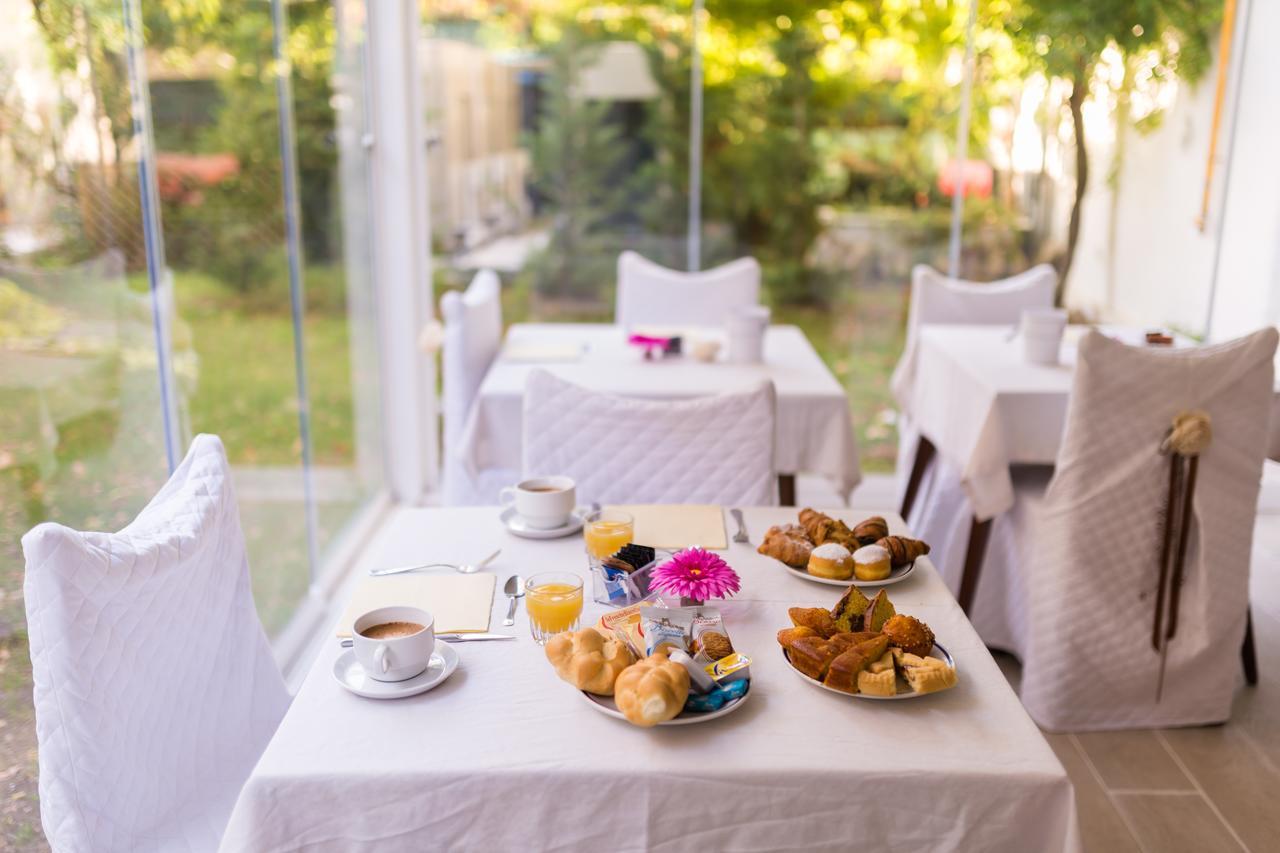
[1079, 88]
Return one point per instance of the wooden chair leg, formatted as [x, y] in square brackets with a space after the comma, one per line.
[924, 455]
[979, 533]
[1248, 654]
[787, 489]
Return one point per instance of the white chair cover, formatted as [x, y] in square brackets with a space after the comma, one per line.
[472, 338]
[155, 688]
[1069, 579]
[652, 294]
[707, 450]
[939, 300]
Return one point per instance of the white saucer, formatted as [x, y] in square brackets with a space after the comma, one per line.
[516, 525]
[349, 673]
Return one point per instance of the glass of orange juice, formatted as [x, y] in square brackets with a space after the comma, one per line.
[606, 531]
[553, 601]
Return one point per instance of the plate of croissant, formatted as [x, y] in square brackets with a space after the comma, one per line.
[825, 550]
[863, 648]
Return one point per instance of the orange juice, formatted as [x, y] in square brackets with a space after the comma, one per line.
[554, 607]
[606, 537]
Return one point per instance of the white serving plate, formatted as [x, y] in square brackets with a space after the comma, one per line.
[606, 705]
[895, 575]
[348, 672]
[904, 692]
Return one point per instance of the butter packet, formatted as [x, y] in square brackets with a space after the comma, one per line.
[735, 667]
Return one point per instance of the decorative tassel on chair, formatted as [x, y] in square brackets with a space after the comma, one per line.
[1186, 440]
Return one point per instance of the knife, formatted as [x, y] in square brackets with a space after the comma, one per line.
[455, 638]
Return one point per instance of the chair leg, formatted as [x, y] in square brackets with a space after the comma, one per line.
[924, 455]
[1248, 654]
[787, 489]
[979, 532]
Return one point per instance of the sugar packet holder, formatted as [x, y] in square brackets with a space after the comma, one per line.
[617, 588]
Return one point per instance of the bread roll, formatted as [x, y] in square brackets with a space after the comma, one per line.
[589, 660]
[652, 691]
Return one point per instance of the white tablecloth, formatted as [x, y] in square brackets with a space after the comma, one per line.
[505, 756]
[815, 430]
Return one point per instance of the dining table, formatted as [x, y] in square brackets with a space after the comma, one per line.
[814, 432]
[982, 408]
[504, 755]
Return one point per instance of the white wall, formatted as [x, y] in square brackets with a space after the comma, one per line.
[1157, 268]
[1248, 291]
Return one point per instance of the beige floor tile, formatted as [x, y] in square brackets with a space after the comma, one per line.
[1226, 765]
[1256, 711]
[1175, 823]
[1133, 760]
[1101, 828]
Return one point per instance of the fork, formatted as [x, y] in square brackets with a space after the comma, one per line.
[741, 536]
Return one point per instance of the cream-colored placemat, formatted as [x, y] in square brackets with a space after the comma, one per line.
[459, 603]
[548, 352]
[678, 525]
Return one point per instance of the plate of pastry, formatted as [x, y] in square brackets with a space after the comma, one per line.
[864, 648]
[826, 550]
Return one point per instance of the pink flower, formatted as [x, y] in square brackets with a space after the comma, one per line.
[696, 573]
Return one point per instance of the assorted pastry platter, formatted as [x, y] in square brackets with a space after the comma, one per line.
[864, 648]
[901, 685]
[826, 550]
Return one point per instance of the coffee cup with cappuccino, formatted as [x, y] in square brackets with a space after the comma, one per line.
[394, 643]
[544, 503]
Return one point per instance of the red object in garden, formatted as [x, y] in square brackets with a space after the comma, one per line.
[977, 174]
[181, 175]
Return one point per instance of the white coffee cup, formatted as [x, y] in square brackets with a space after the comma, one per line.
[393, 658]
[544, 503]
[746, 328]
[1042, 331]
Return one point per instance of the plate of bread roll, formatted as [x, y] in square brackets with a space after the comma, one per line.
[825, 550]
[864, 648]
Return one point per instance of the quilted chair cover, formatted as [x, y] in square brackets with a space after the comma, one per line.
[655, 295]
[472, 338]
[939, 300]
[1071, 572]
[155, 688]
[706, 450]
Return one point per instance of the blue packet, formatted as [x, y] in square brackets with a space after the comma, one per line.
[718, 698]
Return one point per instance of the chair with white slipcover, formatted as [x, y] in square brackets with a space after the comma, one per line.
[155, 686]
[651, 294]
[472, 339]
[708, 450]
[939, 300]
[1070, 576]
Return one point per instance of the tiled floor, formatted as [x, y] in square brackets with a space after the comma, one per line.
[1198, 789]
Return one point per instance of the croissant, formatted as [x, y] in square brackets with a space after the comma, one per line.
[788, 543]
[817, 619]
[903, 550]
[823, 528]
[872, 530]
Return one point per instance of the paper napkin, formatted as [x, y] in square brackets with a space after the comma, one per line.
[674, 526]
[459, 603]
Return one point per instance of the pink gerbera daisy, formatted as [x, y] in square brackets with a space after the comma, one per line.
[697, 574]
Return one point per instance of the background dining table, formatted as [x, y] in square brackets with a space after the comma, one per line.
[814, 426]
[504, 755]
[982, 408]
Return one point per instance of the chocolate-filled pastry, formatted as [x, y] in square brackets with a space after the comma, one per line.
[871, 531]
[879, 611]
[848, 611]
